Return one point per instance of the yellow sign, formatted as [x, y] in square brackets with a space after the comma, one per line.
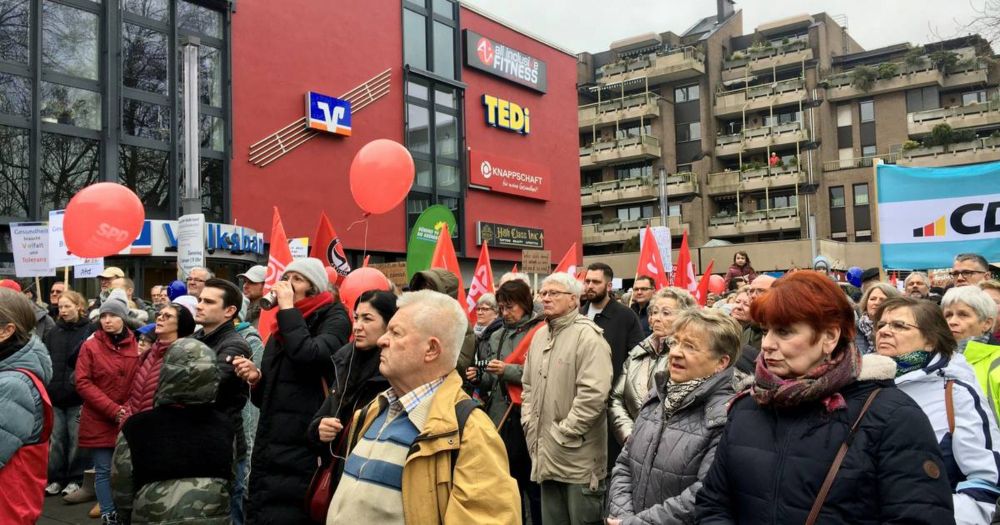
[505, 114]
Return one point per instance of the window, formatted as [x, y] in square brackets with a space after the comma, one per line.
[868, 152]
[430, 36]
[777, 201]
[922, 99]
[68, 165]
[15, 179]
[674, 210]
[684, 168]
[69, 40]
[686, 93]
[632, 171]
[689, 132]
[867, 110]
[974, 97]
[634, 213]
[861, 194]
[589, 178]
[634, 130]
[843, 115]
[837, 197]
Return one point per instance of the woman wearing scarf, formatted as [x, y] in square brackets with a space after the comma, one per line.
[672, 445]
[915, 335]
[288, 388]
[357, 379]
[645, 360]
[870, 301]
[784, 434]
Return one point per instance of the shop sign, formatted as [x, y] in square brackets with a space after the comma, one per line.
[485, 54]
[159, 238]
[329, 114]
[536, 261]
[506, 236]
[507, 115]
[394, 271]
[509, 175]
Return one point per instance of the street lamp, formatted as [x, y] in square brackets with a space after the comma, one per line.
[191, 200]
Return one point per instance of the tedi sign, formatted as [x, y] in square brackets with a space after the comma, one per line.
[485, 54]
[507, 115]
[508, 175]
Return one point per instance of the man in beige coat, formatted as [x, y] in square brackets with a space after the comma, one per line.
[567, 378]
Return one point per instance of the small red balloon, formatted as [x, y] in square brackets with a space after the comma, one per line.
[102, 219]
[360, 281]
[381, 175]
[716, 284]
[333, 276]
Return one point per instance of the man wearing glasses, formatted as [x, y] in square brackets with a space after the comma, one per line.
[969, 269]
[642, 292]
[196, 280]
[566, 380]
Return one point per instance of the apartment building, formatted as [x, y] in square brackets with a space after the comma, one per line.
[764, 141]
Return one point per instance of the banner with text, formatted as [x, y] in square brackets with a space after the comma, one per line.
[929, 215]
[509, 175]
[30, 243]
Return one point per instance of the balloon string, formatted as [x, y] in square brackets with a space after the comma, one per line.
[364, 219]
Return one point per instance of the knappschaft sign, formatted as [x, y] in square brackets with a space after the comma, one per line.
[485, 54]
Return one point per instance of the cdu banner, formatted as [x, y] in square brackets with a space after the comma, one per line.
[929, 215]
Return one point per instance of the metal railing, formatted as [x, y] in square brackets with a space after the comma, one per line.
[859, 162]
[754, 216]
[764, 90]
[762, 131]
[618, 104]
[761, 52]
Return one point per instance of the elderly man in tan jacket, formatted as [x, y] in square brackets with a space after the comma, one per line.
[567, 378]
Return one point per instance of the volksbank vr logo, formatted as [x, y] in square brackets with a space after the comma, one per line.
[325, 113]
[964, 220]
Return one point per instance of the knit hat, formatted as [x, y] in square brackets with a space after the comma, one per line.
[312, 269]
[11, 284]
[185, 319]
[114, 306]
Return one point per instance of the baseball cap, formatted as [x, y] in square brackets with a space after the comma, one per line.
[256, 274]
[112, 272]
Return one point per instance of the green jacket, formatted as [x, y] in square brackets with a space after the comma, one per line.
[985, 360]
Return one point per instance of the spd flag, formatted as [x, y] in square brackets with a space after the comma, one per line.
[650, 261]
[568, 262]
[684, 270]
[482, 283]
[702, 294]
[278, 258]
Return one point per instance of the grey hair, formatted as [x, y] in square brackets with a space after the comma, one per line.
[514, 276]
[566, 281]
[973, 297]
[921, 275]
[211, 274]
[489, 300]
[438, 316]
[682, 297]
[723, 331]
[887, 289]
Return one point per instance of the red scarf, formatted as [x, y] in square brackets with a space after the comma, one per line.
[307, 306]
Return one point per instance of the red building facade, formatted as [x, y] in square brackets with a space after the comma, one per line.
[497, 144]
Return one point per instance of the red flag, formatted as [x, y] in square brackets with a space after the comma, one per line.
[568, 262]
[482, 283]
[702, 294]
[893, 280]
[327, 248]
[651, 262]
[444, 257]
[277, 259]
[684, 269]
[514, 269]
[517, 357]
[581, 275]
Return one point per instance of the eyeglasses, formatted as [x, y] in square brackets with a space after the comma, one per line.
[965, 274]
[552, 293]
[195, 280]
[165, 316]
[484, 309]
[895, 326]
[641, 289]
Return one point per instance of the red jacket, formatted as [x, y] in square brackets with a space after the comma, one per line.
[104, 374]
[145, 381]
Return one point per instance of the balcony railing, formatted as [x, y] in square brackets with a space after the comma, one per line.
[756, 97]
[760, 221]
[620, 231]
[762, 137]
[730, 181]
[893, 76]
[620, 150]
[662, 66]
[744, 57]
[628, 108]
[859, 162]
[617, 191]
[971, 116]
[972, 152]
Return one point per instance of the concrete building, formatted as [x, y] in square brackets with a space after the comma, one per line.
[766, 139]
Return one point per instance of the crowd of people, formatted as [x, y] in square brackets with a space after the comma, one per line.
[790, 399]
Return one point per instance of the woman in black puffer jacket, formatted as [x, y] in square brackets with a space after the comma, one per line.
[72, 327]
[288, 389]
[810, 387]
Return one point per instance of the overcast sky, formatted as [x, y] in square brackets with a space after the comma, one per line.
[591, 25]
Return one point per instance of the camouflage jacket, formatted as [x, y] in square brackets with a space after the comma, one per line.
[189, 378]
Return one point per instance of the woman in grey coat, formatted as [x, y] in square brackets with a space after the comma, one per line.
[646, 359]
[672, 445]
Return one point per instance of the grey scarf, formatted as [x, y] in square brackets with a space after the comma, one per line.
[677, 393]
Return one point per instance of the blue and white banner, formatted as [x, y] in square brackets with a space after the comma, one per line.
[929, 215]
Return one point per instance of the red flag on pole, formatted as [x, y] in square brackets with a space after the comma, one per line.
[514, 269]
[328, 248]
[444, 257]
[684, 269]
[650, 261]
[702, 294]
[482, 283]
[568, 262]
[893, 280]
[278, 258]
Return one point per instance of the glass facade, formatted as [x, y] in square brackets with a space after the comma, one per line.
[90, 91]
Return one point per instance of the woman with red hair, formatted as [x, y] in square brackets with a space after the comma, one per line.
[822, 436]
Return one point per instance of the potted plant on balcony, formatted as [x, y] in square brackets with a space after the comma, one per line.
[941, 135]
[914, 58]
[944, 61]
[887, 70]
[863, 78]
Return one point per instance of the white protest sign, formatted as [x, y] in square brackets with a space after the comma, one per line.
[299, 246]
[191, 242]
[30, 243]
[59, 254]
[89, 268]
[662, 236]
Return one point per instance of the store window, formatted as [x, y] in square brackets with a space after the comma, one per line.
[430, 36]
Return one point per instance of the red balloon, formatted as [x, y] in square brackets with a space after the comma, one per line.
[716, 284]
[381, 175]
[102, 219]
[360, 281]
[333, 276]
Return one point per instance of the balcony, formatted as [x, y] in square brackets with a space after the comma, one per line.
[971, 116]
[620, 231]
[633, 107]
[682, 185]
[656, 68]
[750, 140]
[761, 221]
[621, 191]
[752, 98]
[972, 152]
[770, 57]
[629, 149]
[727, 182]
[895, 76]
[859, 162]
